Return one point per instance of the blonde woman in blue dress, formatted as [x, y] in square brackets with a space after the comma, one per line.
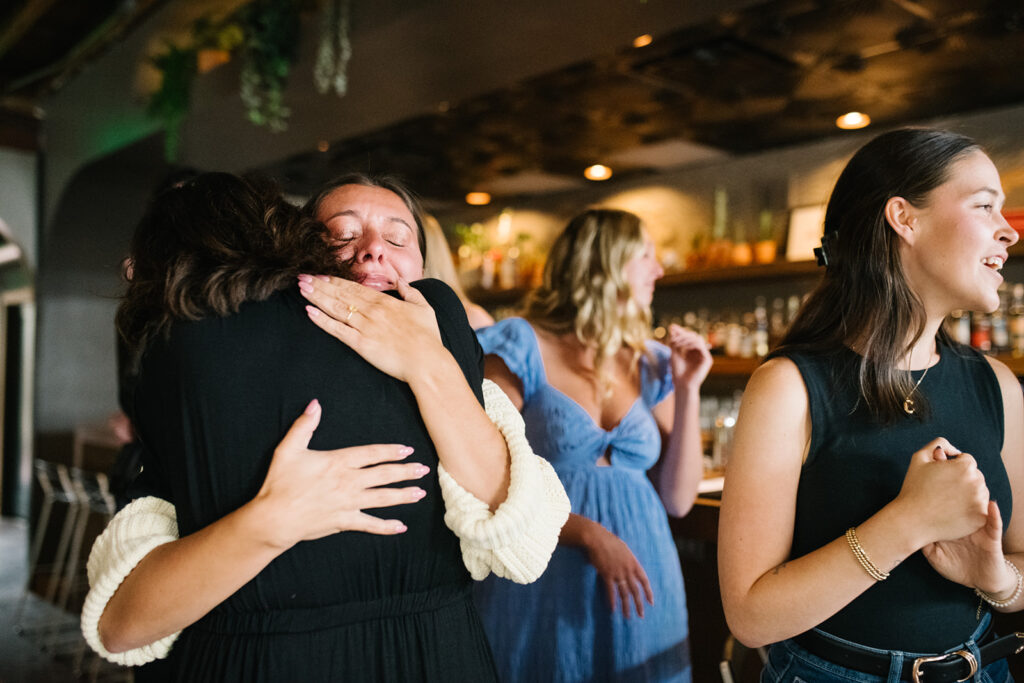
[616, 414]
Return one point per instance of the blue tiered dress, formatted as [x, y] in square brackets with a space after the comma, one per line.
[561, 628]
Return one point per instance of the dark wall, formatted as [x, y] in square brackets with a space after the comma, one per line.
[79, 282]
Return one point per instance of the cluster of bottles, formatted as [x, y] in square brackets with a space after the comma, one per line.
[747, 334]
[999, 332]
[717, 419]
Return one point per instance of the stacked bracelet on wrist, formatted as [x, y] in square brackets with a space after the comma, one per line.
[1016, 591]
[862, 557]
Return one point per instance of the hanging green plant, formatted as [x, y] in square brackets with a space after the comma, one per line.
[271, 29]
[266, 35]
[170, 102]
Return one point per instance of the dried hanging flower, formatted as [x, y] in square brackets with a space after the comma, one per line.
[271, 30]
[335, 50]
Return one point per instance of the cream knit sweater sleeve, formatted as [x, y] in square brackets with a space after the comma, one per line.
[516, 540]
[140, 527]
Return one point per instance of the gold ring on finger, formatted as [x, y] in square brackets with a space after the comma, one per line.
[352, 308]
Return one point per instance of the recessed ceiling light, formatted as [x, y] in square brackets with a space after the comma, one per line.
[323, 145]
[597, 172]
[853, 120]
[478, 199]
[642, 41]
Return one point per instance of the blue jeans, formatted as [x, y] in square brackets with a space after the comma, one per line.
[790, 663]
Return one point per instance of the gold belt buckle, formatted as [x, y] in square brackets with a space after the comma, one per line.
[968, 657]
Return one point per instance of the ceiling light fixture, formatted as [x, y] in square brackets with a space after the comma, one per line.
[478, 199]
[597, 172]
[642, 41]
[853, 120]
[323, 145]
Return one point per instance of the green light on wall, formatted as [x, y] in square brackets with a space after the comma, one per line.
[114, 136]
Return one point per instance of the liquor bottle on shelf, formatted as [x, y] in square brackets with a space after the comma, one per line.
[792, 307]
[734, 333]
[960, 327]
[1000, 328]
[760, 327]
[981, 332]
[1015, 321]
[777, 323]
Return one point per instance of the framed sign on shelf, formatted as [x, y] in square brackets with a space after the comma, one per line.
[806, 224]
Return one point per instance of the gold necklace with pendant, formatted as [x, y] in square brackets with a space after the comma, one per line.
[908, 402]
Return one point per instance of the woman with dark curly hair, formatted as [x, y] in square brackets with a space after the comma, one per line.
[250, 557]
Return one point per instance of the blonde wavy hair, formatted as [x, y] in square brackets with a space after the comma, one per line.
[584, 291]
[438, 262]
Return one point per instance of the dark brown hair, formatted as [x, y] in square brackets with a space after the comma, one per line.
[385, 182]
[864, 301]
[215, 242]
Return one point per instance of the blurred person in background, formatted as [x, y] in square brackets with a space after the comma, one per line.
[617, 415]
[440, 264]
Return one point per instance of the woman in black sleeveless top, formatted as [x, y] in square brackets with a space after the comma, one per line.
[866, 518]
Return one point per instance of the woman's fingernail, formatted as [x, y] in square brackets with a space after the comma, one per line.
[418, 494]
[313, 311]
[406, 450]
[313, 407]
[305, 287]
[422, 469]
[400, 528]
[325, 278]
[305, 278]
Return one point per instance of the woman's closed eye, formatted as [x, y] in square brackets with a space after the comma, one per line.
[398, 239]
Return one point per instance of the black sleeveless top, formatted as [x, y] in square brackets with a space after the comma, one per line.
[212, 401]
[856, 466]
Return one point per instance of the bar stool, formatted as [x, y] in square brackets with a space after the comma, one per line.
[92, 491]
[734, 656]
[55, 482]
[92, 496]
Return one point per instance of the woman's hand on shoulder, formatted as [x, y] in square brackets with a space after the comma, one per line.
[691, 359]
[310, 494]
[397, 336]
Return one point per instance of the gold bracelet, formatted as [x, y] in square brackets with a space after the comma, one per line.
[1016, 591]
[862, 557]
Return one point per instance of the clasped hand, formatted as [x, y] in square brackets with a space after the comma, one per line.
[962, 526]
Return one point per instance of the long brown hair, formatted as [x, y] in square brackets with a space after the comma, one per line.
[864, 301]
[215, 242]
[583, 289]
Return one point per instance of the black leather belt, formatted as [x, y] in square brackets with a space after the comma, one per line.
[947, 668]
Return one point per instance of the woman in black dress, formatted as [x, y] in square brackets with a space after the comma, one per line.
[267, 588]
